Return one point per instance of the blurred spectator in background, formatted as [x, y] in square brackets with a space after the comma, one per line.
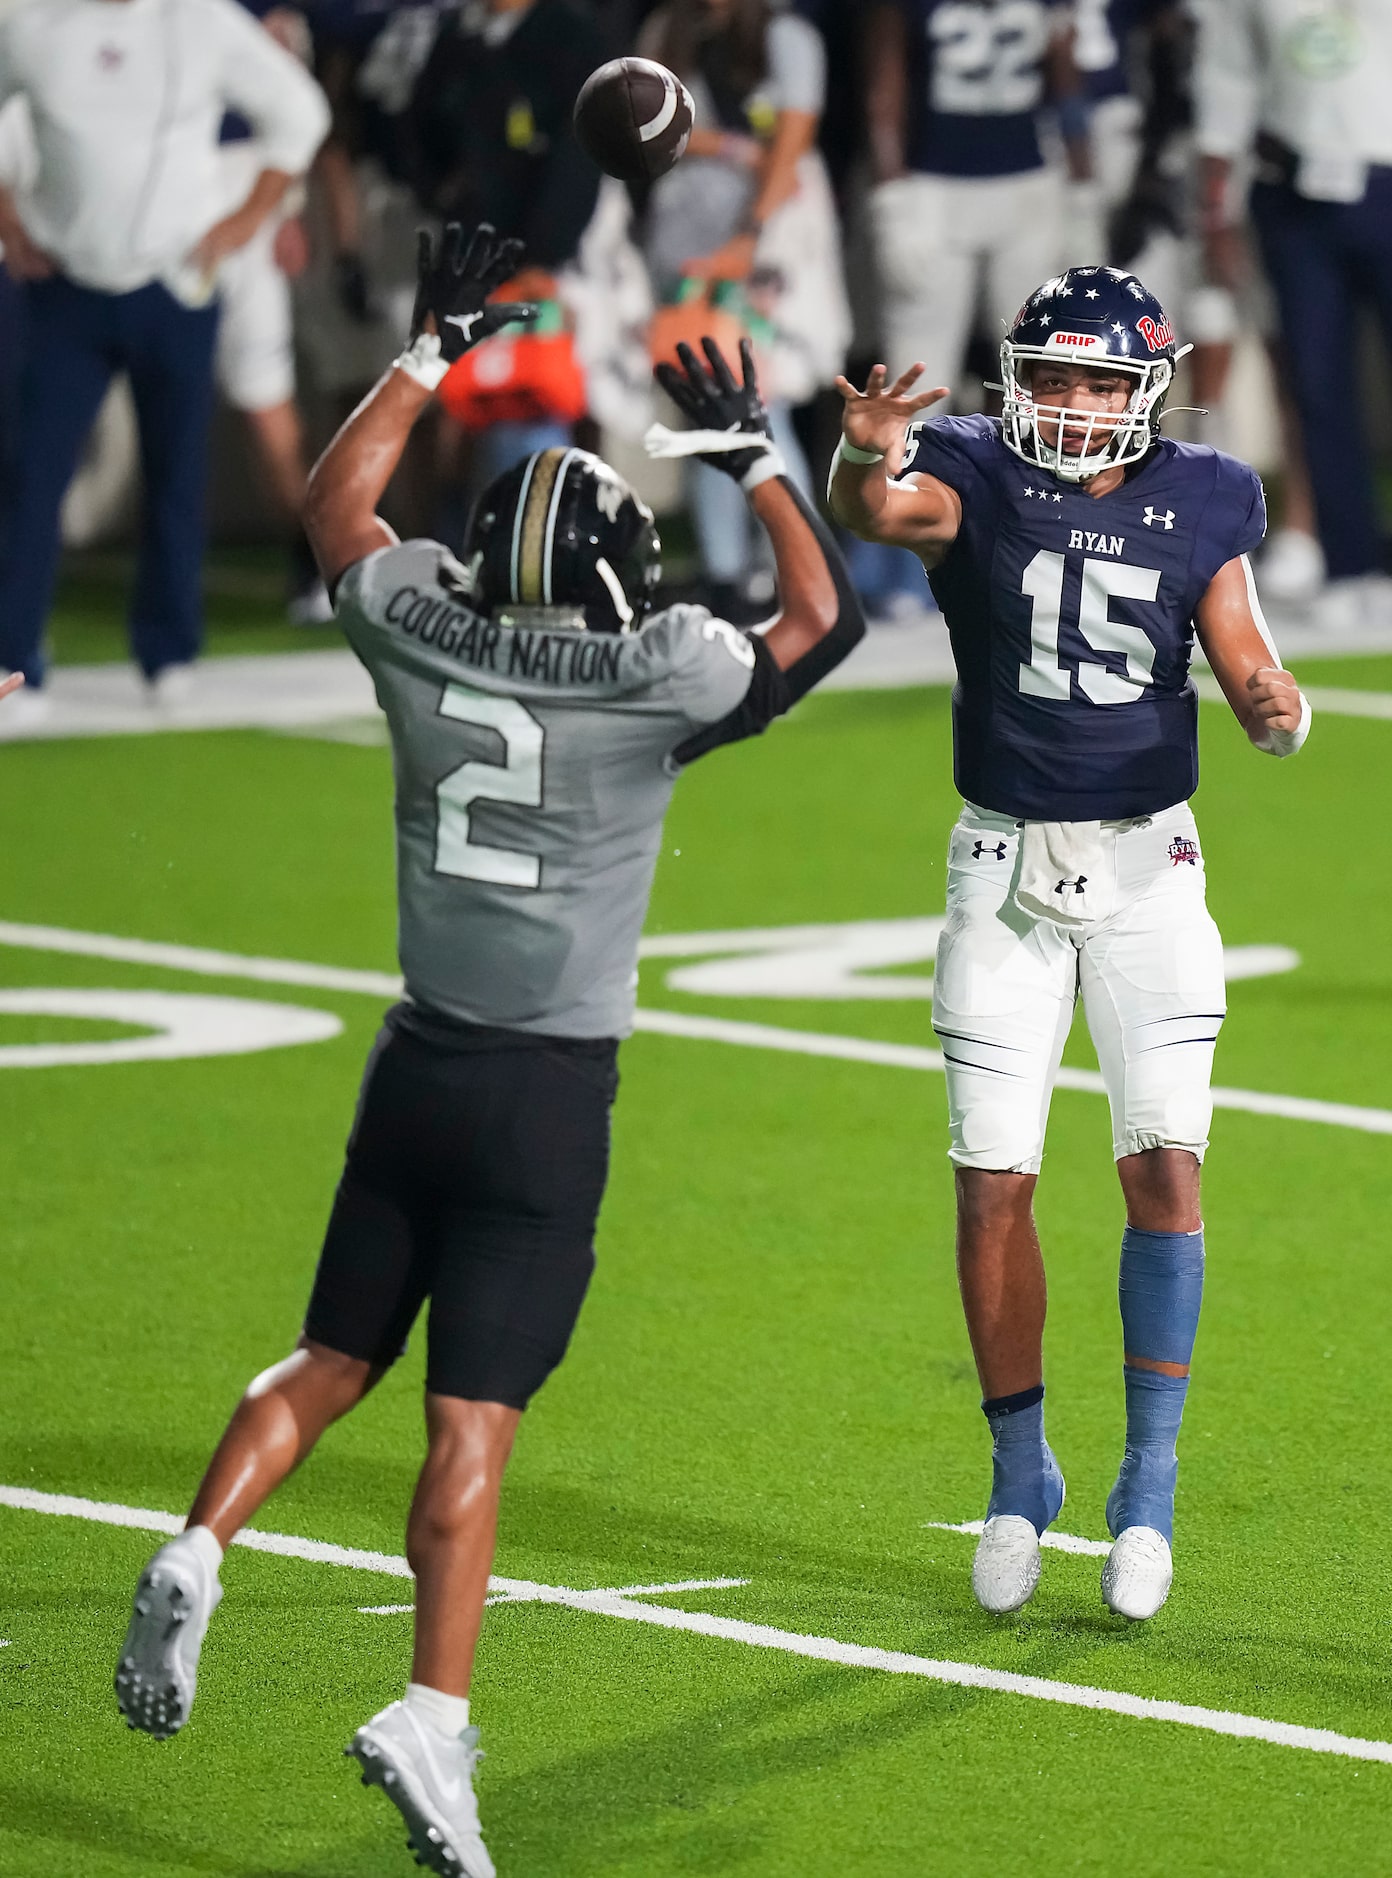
[1307, 87]
[749, 208]
[256, 331]
[119, 241]
[965, 208]
[490, 125]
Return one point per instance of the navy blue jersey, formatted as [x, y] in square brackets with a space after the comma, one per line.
[976, 84]
[1071, 618]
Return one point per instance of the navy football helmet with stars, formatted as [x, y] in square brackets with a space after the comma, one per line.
[1099, 316]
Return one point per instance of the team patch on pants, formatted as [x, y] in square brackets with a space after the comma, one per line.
[1150, 976]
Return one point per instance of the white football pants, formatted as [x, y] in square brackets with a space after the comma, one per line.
[945, 243]
[1150, 976]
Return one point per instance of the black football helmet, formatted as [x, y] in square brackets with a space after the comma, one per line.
[561, 540]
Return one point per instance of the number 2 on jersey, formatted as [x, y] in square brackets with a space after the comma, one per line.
[517, 779]
[1103, 581]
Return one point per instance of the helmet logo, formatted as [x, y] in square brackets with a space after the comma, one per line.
[609, 496]
[1157, 333]
[1073, 339]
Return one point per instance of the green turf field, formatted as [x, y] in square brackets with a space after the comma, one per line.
[771, 1381]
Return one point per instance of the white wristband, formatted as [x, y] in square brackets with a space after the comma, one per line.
[849, 453]
[1287, 742]
[421, 360]
[770, 464]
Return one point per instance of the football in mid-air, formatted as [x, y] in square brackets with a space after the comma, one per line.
[633, 117]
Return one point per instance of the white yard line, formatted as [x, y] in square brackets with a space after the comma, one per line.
[913, 1056]
[756, 1636]
[617, 1591]
[1053, 1541]
[213, 964]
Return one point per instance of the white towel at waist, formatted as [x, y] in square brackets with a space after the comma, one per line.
[1063, 876]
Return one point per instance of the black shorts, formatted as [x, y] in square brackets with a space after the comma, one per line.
[474, 1174]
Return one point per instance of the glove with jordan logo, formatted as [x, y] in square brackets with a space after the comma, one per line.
[452, 288]
[731, 427]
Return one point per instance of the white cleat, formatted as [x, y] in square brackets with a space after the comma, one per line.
[1005, 1570]
[158, 1670]
[428, 1777]
[1138, 1574]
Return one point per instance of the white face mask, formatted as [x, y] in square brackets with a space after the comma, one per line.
[1110, 439]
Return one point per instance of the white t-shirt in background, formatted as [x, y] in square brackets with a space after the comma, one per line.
[126, 98]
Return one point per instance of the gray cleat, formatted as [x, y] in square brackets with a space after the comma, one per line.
[158, 1669]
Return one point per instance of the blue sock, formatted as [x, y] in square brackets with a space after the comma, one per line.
[1025, 1477]
[1161, 1289]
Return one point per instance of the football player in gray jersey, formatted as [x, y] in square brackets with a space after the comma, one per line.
[540, 715]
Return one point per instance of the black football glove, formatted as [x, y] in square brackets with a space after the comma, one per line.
[453, 284]
[713, 400]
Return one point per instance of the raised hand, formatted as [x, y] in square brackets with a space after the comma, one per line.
[712, 398]
[453, 284]
[876, 418]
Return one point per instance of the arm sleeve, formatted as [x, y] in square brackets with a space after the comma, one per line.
[797, 65]
[772, 691]
[1227, 78]
[273, 91]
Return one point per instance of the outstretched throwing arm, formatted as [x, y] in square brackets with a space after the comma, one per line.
[920, 512]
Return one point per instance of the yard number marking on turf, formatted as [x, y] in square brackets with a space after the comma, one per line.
[213, 964]
[758, 1636]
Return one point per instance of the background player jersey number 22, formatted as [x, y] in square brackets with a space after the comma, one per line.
[517, 780]
[1103, 581]
[987, 59]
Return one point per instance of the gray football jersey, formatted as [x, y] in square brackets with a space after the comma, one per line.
[533, 771]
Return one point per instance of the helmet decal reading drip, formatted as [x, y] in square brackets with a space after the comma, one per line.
[1072, 339]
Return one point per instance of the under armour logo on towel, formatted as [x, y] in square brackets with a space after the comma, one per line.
[1165, 521]
[985, 847]
[1077, 885]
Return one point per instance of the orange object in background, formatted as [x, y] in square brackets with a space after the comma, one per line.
[524, 375]
[699, 313]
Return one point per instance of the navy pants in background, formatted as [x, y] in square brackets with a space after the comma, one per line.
[1324, 260]
[76, 341]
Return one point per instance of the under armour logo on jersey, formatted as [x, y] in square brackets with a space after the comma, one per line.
[1165, 521]
[996, 849]
[1077, 885]
[111, 58]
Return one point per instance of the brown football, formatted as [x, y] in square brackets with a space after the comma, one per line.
[634, 118]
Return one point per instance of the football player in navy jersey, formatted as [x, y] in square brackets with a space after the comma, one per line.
[1076, 553]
